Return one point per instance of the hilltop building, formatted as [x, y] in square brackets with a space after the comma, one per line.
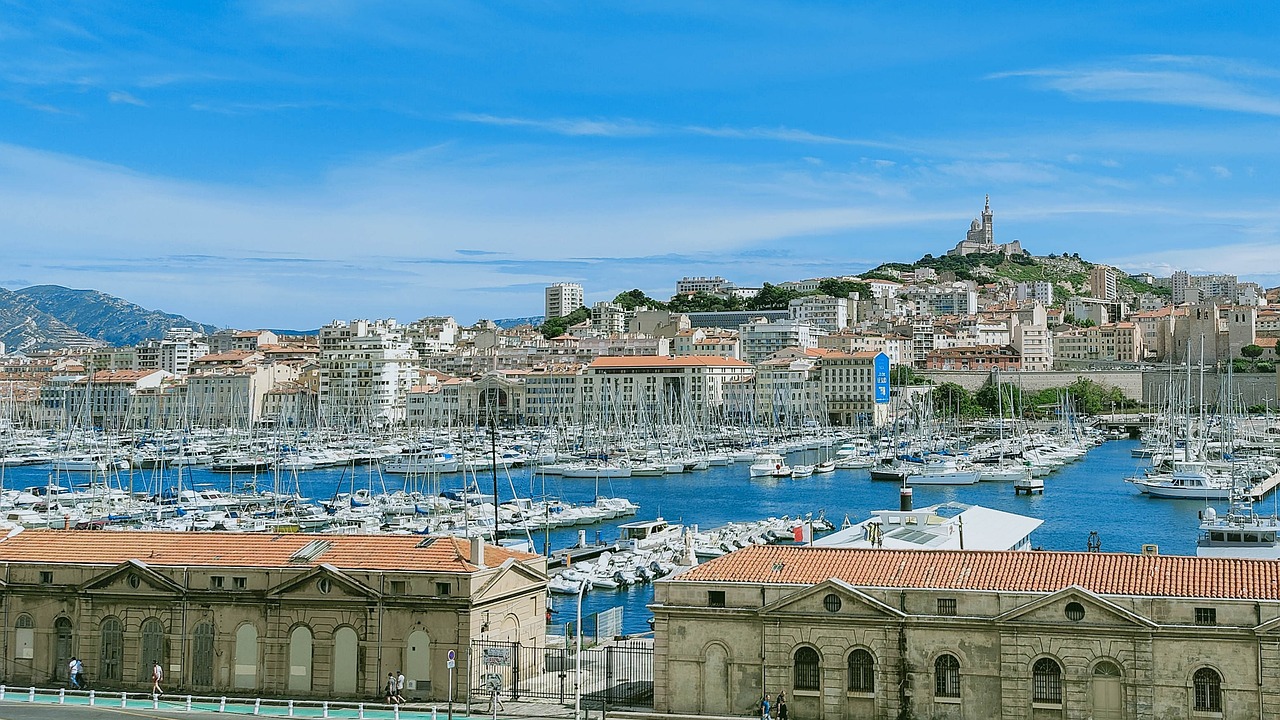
[563, 298]
[981, 237]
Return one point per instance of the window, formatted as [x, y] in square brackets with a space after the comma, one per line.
[946, 677]
[324, 585]
[946, 606]
[1075, 611]
[134, 581]
[239, 583]
[715, 598]
[1208, 687]
[399, 587]
[806, 669]
[442, 589]
[46, 577]
[216, 581]
[112, 635]
[1046, 682]
[862, 672]
[832, 603]
[1206, 616]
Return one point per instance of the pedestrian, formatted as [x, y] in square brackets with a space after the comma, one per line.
[157, 674]
[782, 706]
[391, 689]
[764, 707]
[400, 685]
[79, 673]
[74, 673]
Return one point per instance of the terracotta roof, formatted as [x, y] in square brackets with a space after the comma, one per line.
[257, 550]
[626, 361]
[122, 376]
[1009, 571]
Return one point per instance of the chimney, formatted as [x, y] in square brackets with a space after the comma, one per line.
[904, 499]
[477, 551]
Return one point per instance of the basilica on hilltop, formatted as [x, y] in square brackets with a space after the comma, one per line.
[981, 237]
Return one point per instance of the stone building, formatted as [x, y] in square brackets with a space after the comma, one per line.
[981, 237]
[246, 613]
[851, 633]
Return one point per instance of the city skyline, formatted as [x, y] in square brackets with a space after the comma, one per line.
[284, 164]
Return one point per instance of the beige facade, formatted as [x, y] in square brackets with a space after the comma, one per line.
[974, 635]
[246, 614]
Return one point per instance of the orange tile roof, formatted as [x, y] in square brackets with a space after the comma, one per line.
[626, 361]
[1008, 571]
[257, 550]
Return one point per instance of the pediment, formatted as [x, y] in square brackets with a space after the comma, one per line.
[323, 582]
[1098, 611]
[813, 601]
[1270, 626]
[132, 577]
[512, 577]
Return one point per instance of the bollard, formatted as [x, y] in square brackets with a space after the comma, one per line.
[222, 704]
[290, 708]
[188, 703]
[1, 692]
[360, 711]
[31, 695]
[124, 699]
[257, 705]
[62, 696]
[91, 698]
[397, 712]
[155, 701]
[324, 709]
[433, 712]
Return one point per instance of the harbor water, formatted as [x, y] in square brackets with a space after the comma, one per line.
[1086, 496]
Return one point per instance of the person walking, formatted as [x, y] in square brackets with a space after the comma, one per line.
[764, 707]
[400, 686]
[157, 674]
[392, 696]
[74, 673]
[782, 706]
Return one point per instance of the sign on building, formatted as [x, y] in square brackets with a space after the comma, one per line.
[497, 656]
[881, 369]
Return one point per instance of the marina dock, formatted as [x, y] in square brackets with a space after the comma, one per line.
[1261, 490]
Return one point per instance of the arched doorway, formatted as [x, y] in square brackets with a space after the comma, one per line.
[109, 666]
[300, 659]
[246, 658]
[62, 648]
[202, 655]
[417, 662]
[153, 648]
[345, 655]
[715, 681]
[1107, 691]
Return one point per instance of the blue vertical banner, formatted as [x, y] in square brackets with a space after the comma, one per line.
[881, 368]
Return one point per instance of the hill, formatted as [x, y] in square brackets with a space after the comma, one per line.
[51, 316]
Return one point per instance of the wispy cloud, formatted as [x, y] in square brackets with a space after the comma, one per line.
[121, 97]
[628, 128]
[1210, 83]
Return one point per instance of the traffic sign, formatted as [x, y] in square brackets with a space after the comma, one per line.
[452, 655]
[452, 664]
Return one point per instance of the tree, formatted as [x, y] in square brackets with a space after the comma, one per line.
[951, 400]
[632, 299]
[555, 327]
[905, 375]
[772, 297]
[1253, 352]
[842, 288]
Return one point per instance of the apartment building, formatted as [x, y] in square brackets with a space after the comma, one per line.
[761, 339]
[562, 298]
[656, 387]
[366, 369]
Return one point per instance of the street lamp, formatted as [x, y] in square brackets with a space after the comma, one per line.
[577, 683]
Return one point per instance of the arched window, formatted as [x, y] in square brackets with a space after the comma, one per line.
[806, 669]
[1208, 684]
[25, 637]
[862, 672]
[154, 648]
[1046, 681]
[946, 677]
[112, 649]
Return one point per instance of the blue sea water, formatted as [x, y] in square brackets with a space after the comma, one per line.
[1086, 496]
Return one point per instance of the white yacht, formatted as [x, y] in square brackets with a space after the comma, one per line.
[767, 464]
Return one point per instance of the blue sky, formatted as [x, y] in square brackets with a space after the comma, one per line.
[285, 163]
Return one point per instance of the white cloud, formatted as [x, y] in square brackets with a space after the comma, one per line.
[1208, 83]
[121, 97]
[1220, 171]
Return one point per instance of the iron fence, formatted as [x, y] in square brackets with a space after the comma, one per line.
[618, 673]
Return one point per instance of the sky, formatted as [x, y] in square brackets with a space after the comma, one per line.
[285, 163]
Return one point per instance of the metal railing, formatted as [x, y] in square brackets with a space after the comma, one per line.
[616, 674]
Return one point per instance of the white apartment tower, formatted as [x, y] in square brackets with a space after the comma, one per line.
[563, 298]
[366, 369]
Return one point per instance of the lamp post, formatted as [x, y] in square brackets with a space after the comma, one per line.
[577, 682]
